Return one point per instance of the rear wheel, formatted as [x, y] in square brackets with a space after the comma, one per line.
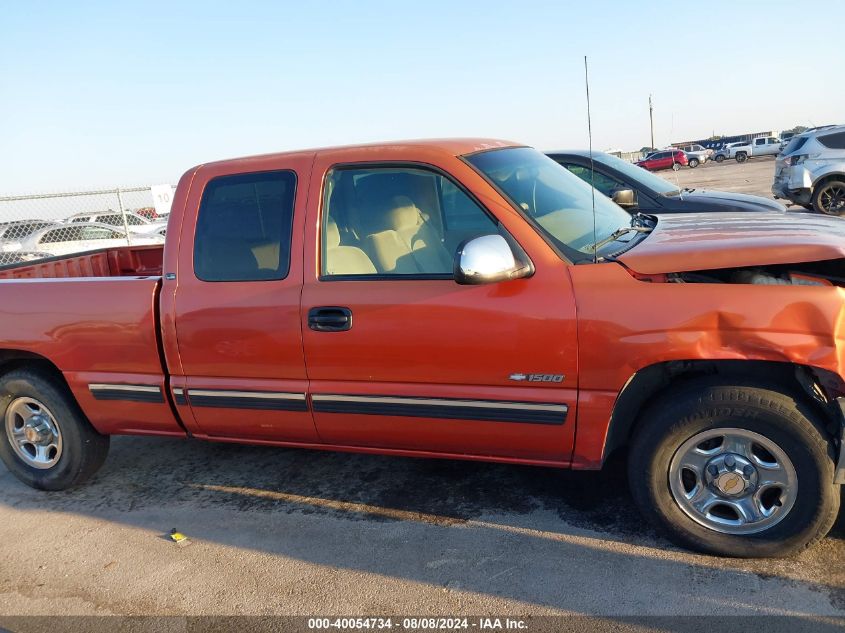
[741, 157]
[47, 443]
[735, 471]
[829, 197]
[693, 163]
[676, 166]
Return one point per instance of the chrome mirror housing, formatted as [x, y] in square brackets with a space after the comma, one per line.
[625, 198]
[488, 259]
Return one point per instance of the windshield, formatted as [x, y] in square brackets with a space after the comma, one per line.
[796, 143]
[637, 174]
[559, 203]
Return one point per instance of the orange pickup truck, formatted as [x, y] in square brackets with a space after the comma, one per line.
[462, 299]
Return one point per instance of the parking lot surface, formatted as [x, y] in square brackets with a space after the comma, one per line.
[753, 176]
[277, 531]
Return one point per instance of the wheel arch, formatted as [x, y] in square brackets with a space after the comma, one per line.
[12, 359]
[815, 386]
[831, 175]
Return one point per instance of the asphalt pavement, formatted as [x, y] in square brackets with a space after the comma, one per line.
[297, 532]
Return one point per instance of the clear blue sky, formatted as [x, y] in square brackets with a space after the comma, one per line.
[121, 92]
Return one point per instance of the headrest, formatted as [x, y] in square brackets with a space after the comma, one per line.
[332, 234]
[403, 215]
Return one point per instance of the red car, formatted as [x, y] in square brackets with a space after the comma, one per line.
[668, 159]
[150, 213]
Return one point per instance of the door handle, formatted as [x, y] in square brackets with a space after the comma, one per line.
[330, 319]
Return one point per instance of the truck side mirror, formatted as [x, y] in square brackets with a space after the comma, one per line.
[625, 198]
[488, 259]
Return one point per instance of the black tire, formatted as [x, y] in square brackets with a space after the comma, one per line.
[693, 163]
[83, 449]
[781, 419]
[676, 166]
[741, 157]
[719, 158]
[829, 197]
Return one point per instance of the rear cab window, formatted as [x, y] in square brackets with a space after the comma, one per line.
[244, 227]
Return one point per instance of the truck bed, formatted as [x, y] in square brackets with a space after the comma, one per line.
[93, 316]
[126, 261]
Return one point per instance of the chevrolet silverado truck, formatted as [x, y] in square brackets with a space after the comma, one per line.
[461, 299]
[761, 146]
[727, 151]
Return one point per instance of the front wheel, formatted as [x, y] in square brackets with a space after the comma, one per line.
[719, 158]
[829, 198]
[741, 157]
[735, 471]
[46, 442]
[693, 163]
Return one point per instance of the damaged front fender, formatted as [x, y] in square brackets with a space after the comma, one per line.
[625, 325]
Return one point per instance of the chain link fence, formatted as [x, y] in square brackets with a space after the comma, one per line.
[53, 224]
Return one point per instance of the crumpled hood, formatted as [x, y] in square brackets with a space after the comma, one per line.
[707, 241]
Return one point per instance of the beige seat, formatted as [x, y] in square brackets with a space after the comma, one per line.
[345, 260]
[409, 244]
[267, 255]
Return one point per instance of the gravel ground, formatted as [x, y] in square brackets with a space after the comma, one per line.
[753, 176]
[295, 532]
[277, 531]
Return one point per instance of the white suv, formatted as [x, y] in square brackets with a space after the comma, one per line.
[811, 170]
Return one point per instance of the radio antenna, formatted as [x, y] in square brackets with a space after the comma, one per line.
[592, 167]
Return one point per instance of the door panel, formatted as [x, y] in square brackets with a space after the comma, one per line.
[237, 323]
[431, 365]
[249, 408]
[437, 340]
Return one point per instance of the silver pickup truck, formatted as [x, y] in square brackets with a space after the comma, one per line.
[762, 146]
[728, 151]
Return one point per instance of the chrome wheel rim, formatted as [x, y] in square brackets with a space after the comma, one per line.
[733, 481]
[832, 199]
[33, 433]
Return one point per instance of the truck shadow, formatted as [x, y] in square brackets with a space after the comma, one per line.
[515, 532]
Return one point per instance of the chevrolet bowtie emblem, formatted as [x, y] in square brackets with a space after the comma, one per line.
[547, 378]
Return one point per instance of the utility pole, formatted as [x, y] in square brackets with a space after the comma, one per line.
[651, 120]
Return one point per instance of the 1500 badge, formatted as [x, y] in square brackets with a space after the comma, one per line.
[537, 377]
